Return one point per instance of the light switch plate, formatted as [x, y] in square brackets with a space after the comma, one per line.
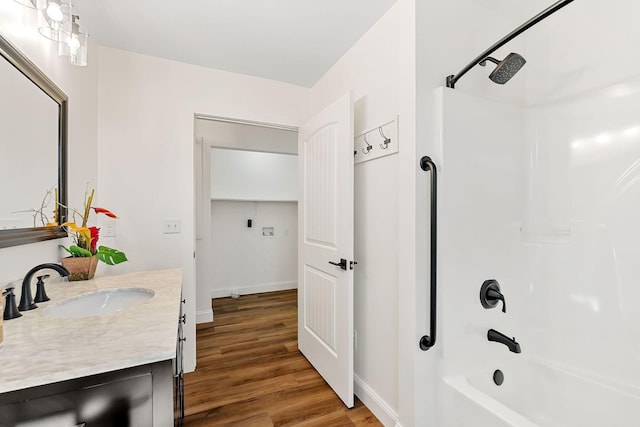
[108, 228]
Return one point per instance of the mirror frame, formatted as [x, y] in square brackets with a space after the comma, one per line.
[22, 236]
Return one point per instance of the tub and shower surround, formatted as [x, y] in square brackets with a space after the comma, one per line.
[549, 214]
[542, 194]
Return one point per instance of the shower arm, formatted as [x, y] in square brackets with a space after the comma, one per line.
[452, 79]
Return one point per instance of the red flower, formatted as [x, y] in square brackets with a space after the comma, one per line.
[95, 235]
[107, 212]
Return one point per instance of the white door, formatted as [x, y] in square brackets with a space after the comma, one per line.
[325, 218]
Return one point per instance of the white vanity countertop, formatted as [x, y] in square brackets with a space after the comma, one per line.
[40, 350]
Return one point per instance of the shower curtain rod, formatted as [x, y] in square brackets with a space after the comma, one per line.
[452, 79]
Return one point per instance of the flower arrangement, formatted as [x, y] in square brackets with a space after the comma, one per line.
[86, 238]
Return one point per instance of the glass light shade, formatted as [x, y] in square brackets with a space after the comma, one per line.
[34, 4]
[56, 31]
[54, 11]
[78, 46]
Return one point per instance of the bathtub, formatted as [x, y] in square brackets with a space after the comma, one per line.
[537, 393]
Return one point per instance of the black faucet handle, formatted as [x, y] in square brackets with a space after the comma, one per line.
[490, 295]
[41, 295]
[497, 296]
[10, 309]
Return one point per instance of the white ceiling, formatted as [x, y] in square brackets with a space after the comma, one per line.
[294, 41]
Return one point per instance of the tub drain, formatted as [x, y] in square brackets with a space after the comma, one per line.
[498, 377]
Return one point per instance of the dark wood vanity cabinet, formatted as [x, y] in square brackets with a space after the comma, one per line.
[138, 397]
[178, 371]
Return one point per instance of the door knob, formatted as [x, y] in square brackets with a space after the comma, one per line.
[342, 264]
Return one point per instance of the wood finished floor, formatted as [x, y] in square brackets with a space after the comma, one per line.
[250, 372]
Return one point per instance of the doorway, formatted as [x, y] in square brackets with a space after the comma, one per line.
[245, 207]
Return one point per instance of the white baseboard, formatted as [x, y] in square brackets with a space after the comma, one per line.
[385, 414]
[204, 316]
[255, 289]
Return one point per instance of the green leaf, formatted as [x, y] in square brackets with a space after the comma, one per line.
[111, 256]
[66, 249]
[77, 251]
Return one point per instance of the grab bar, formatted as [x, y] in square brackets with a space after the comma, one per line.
[428, 341]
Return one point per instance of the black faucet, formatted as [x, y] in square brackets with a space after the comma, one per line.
[512, 345]
[26, 300]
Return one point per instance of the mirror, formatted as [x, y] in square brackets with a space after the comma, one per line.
[33, 140]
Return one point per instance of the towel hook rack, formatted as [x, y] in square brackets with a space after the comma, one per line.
[386, 142]
[369, 146]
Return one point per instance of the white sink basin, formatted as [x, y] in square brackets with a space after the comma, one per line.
[99, 303]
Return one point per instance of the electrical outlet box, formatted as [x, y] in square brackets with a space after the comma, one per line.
[268, 231]
[171, 226]
[108, 228]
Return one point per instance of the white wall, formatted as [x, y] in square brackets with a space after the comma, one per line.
[20, 26]
[371, 70]
[146, 151]
[246, 135]
[242, 259]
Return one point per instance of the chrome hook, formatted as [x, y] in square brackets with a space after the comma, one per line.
[369, 146]
[386, 142]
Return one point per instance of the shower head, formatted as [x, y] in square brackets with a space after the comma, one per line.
[513, 62]
[506, 68]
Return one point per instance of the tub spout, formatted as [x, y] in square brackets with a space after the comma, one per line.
[511, 343]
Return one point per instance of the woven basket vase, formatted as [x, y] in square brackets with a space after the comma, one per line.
[80, 268]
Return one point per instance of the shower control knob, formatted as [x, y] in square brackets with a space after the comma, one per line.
[490, 295]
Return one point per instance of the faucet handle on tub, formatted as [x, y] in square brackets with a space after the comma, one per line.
[490, 295]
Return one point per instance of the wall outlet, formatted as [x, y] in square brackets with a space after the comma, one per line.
[268, 231]
[10, 223]
[171, 226]
[108, 228]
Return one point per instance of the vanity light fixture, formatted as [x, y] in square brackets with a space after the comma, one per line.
[62, 26]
